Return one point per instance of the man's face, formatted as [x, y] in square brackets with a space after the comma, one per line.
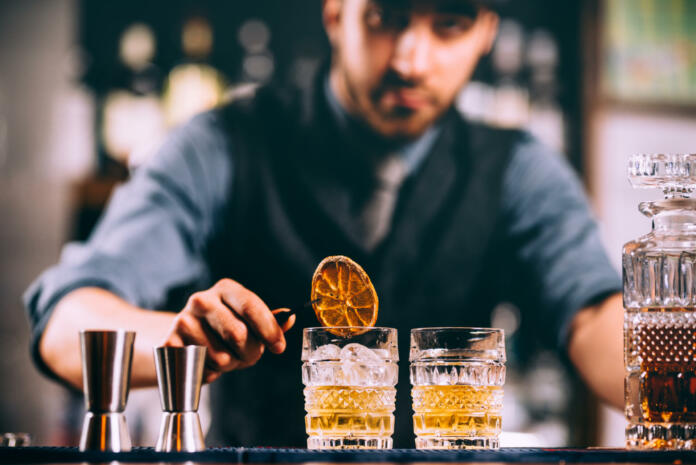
[398, 65]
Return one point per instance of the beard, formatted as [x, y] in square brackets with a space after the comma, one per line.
[389, 118]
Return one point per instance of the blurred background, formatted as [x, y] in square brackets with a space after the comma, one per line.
[88, 89]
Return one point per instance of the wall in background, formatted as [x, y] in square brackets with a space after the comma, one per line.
[34, 85]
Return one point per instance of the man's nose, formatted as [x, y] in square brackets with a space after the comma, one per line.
[413, 52]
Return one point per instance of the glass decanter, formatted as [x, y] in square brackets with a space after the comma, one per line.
[659, 295]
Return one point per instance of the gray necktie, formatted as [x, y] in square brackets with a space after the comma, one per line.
[377, 212]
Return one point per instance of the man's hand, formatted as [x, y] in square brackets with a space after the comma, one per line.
[233, 323]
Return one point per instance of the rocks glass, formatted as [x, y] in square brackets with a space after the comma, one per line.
[457, 376]
[350, 375]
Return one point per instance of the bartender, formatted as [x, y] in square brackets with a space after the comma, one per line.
[229, 219]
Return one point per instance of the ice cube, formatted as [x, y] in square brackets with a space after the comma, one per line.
[354, 373]
[358, 364]
[326, 352]
[359, 353]
[324, 374]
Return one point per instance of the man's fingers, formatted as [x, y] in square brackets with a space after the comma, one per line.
[220, 358]
[254, 312]
[286, 322]
[234, 334]
[210, 376]
[289, 323]
[193, 331]
[173, 340]
[233, 324]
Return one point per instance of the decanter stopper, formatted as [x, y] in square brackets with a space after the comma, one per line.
[674, 173]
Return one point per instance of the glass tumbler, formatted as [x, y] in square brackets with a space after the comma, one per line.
[457, 377]
[349, 387]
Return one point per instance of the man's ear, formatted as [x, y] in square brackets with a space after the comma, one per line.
[331, 15]
[489, 28]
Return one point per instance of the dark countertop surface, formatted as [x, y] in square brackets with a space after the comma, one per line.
[239, 455]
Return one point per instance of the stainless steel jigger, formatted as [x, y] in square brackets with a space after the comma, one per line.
[180, 376]
[106, 368]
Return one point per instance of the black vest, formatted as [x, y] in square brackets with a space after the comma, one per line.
[293, 203]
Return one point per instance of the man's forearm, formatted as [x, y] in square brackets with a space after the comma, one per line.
[596, 348]
[94, 308]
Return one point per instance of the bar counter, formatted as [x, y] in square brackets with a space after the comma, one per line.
[242, 455]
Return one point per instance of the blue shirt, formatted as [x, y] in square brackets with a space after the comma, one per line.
[152, 235]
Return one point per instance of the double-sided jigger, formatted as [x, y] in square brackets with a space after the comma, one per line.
[180, 376]
[106, 368]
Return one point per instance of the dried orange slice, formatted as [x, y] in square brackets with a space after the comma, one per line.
[343, 295]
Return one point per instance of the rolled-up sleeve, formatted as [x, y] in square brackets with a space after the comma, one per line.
[153, 235]
[556, 237]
